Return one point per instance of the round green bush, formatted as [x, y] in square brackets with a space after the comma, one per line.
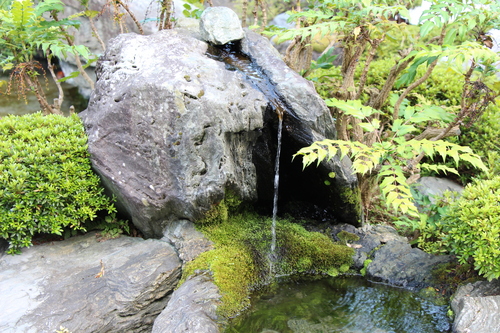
[46, 180]
[471, 227]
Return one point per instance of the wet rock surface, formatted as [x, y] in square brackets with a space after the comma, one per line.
[398, 264]
[392, 259]
[118, 285]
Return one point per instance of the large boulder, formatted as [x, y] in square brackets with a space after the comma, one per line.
[144, 11]
[87, 285]
[171, 130]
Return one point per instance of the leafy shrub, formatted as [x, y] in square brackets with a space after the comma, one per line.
[484, 138]
[46, 181]
[444, 86]
[470, 228]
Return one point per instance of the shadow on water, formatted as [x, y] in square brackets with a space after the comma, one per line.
[341, 304]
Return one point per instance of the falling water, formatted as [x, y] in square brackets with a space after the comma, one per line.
[236, 60]
[272, 255]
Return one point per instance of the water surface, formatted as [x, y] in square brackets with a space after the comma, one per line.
[342, 304]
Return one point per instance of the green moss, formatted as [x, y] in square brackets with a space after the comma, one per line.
[346, 236]
[433, 295]
[366, 263]
[239, 261]
[353, 197]
[350, 195]
[449, 276]
[220, 212]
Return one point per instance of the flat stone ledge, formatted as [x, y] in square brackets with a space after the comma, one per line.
[118, 285]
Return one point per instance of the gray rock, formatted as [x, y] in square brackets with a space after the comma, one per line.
[398, 264]
[188, 241]
[308, 120]
[145, 12]
[281, 21]
[118, 285]
[477, 308]
[370, 238]
[435, 186]
[220, 25]
[393, 260]
[170, 130]
[191, 308]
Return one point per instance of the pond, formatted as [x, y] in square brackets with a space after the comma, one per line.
[14, 104]
[342, 304]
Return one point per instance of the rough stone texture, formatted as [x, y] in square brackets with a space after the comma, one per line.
[145, 11]
[188, 241]
[191, 308]
[58, 284]
[370, 238]
[477, 308]
[170, 129]
[220, 25]
[308, 120]
[394, 261]
[398, 264]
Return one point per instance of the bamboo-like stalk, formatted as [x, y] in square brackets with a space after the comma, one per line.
[56, 107]
[132, 16]
[96, 33]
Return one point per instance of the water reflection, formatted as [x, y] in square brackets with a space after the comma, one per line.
[343, 304]
[12, 104]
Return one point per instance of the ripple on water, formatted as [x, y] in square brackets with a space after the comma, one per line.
[342, 304]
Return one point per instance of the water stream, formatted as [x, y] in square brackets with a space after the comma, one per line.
[236, 60]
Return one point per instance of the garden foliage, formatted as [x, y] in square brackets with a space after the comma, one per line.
[387, 124]
[470, 228]
[25, 30]
[46, 180]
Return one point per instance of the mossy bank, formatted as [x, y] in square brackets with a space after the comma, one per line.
[239, 262]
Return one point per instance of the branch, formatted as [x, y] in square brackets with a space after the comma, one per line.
[77, 57]
[96, 33]
[391, 78]
[362, 80]
[56, 107]
[244, 13]
[415, 84]
[125, 6]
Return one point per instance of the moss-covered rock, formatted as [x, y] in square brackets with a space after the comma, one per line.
[240, 260]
